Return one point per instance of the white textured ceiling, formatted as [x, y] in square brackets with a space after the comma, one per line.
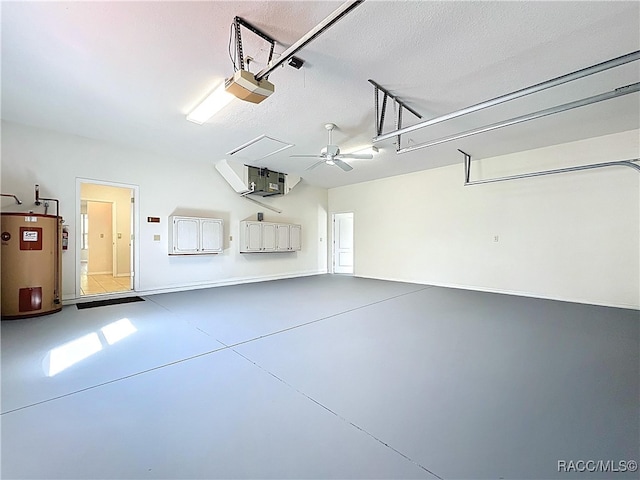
[129, 72]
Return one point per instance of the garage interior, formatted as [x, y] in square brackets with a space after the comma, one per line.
[411, 249]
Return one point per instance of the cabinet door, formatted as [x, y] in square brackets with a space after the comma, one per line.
[282, 238]
[295, 237]
[185, 235]
[210, 235]
[268, 237]
[252, 237]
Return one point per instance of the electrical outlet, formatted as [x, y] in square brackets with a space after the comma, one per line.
[231, 238]
[156, 238]
[496, 238]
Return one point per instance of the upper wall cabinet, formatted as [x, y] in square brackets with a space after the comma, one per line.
[288, 237]
[262, 237]
[195, 235]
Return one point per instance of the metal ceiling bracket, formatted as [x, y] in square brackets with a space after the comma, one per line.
[239, 22]
[569, 77]
[468, 181]
[618, 92]
[336, 15]
[381, 112]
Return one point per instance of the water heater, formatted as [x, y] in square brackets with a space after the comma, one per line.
[31, 264]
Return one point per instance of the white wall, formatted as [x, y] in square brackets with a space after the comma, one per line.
[167, 186]
[572, 236]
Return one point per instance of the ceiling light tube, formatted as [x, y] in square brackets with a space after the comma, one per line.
[211, 105]
[370, 149]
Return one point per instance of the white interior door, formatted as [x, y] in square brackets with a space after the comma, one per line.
[343, 242]
[100, 257]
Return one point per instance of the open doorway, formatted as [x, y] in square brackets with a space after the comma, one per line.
[343, 243]
[105, 238]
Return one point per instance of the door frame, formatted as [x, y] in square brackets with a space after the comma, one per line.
[333, 242]
[135, 230]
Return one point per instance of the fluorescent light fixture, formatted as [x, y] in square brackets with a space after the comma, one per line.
[211, 105]
[64, 356]
[116, 331]
[371, 149]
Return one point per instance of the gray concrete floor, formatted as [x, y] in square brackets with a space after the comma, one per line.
[322, 377]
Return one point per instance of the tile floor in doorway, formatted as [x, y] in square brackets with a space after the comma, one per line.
[96, 284]
[320, 377]
[93, 284]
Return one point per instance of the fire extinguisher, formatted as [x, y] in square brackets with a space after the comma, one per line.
[65, 238]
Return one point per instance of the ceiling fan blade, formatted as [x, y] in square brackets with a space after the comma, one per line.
[315, 165]
[343, 165]
[361, 156]
[306, 156]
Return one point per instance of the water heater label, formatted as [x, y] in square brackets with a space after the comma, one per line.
[29, 236]
[30, 219]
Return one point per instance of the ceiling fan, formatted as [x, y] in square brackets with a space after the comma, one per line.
[331, 154]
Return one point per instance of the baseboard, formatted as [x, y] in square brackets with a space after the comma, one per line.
[100, 273]
[71, 300]
[516, 293]
[223, 283]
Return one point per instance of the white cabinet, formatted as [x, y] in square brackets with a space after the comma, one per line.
[288, 237]
[269, 237]
[295, 237]
[195, 235]
[250, 236]
[283, 237]
[269, 243]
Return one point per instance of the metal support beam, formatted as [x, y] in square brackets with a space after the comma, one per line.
[238, 22]
[618, 92]
[339, 13]
[468, 181]
[380, 113]
[615, 62]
